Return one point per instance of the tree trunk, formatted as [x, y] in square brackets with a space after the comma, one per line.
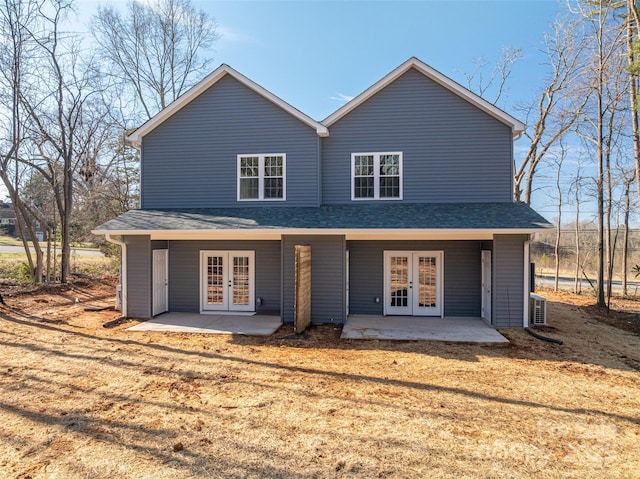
[559, 228]
[65, 220]
[632, 18]
[600, 299]
[625, 240]
[577, 285]
[610, 245]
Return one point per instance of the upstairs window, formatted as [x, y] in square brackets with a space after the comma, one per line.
[376, 176]
[261, 177]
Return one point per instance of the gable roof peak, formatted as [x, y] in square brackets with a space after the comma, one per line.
[135, 137]
[517, 126]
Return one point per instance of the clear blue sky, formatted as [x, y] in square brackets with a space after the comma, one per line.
[312, 52]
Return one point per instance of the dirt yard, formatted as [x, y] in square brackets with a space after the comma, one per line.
[81, 401]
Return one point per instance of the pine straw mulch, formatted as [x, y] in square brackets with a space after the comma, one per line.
[80, 400]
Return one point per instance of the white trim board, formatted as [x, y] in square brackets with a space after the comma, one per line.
[135, 137]
[376, 176]
[517, 126]
[261, 176]
[322, 128]
[361, 234]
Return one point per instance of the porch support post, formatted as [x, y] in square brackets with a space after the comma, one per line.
[511, 282]
[527, 285]
[123, 272]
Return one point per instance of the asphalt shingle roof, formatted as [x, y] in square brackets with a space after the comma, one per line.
[353, 216]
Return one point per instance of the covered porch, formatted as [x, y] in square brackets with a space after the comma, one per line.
[357, 326]
[463, 329]
[249, 325]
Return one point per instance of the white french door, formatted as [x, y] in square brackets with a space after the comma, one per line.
[227, 280]
[413, 283]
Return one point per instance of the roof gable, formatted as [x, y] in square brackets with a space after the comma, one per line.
[135, 136]
[517, 127]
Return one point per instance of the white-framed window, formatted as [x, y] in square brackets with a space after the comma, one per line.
[262, 177]
[376, 176]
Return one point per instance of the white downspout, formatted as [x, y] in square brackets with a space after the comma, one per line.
[123, 270]
[527, 285]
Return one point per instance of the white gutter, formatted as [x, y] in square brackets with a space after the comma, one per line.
[527, 285]
[123, 269]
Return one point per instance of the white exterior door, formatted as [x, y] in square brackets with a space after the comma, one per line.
[486, 286]
[413, 283]
[160, 288]
[227, 280]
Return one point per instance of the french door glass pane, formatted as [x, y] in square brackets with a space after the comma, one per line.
[240, 280]
[215, 280]
[399, 281]
[427, 274]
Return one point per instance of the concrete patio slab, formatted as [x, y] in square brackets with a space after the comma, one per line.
[256, 325]
[413, 328]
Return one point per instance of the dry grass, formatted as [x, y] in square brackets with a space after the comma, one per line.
[14, 269]
[79, 400]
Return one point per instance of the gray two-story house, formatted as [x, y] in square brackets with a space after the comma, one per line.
[404, 195]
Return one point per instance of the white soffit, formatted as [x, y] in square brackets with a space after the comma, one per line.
[516, 125]
[364, 234]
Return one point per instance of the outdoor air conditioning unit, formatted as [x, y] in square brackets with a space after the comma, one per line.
[537, 310]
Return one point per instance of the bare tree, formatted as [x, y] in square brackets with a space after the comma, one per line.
[16, 18]
[66, 115]
[157, 51]
[576, 187]
[491, 82]
[625, 240]
[105, 188]
[556, 110]
[596, 124]
[633, 44]
[558, 161]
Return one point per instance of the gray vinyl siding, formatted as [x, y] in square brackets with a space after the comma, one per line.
[452, 151]
[508, 280]
[462, 274]
[327, 277]
[184, 272]
[159, 244]
[190, 160]
[138, 276]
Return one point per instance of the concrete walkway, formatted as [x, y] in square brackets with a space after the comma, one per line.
[416, 328]
[256, 325]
